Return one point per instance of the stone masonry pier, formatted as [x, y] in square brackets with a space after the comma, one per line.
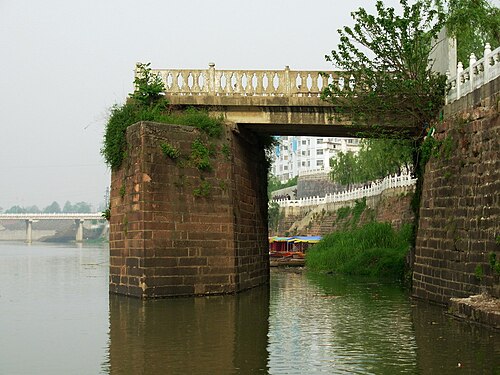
[458, 239]
[176, 230]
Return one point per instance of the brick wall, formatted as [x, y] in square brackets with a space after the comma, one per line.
[167, 239]
[460, 206]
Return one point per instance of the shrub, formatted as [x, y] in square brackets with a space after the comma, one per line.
[374, 249]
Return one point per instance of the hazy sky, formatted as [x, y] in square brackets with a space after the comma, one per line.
[64, 63]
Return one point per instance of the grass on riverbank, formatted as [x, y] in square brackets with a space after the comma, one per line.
[374, 249]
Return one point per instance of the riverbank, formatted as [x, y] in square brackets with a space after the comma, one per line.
[374, 249]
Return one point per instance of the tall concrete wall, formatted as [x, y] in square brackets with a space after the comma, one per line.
[459, 225]
[177, 231]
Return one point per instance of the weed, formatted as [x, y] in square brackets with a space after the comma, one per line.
[478, 272]
[106, 214]
[343, 212]
[170, 151]
[122, 191]
[203, 190]
[200, 155]
[226, 151]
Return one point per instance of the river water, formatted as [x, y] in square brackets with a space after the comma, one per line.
[56, 317]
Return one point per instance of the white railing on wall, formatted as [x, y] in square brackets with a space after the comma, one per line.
[374, 188]
[477, 74]
[193, 82]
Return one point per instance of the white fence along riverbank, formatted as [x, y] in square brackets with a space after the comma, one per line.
[374, 188]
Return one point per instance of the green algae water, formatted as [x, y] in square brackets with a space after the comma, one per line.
[56, 317]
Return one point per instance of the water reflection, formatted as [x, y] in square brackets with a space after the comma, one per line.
[212, 335]
[329, 325]
[55, 318]
[448, 346]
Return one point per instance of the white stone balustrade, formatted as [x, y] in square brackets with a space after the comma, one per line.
[287, 83]
[477, 74]
[374, 188]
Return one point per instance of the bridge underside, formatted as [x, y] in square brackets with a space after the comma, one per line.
[288, 116]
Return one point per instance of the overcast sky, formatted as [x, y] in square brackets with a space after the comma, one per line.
[64, 63]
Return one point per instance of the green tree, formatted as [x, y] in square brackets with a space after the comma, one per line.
[345, 168]
[149, 87]
[473, 23]
[384, 73]
[82, 207]
[16, 210]
[377, 159]
[68, 207]
[53, 208]
[33, 209]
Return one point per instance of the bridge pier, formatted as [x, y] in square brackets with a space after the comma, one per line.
[79, 230]
[29, 230]
[176, 230]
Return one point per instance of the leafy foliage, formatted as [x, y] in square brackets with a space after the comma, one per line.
[473, 24]
[273, 183]
[377, 159]
[147, 104]
[374, 249]
[385, 77]
[273, 215]
[149, 87]
[200, 155]
[203, 190]
[170, 151]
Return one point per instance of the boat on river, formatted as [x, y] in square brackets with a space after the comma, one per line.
[290, 251]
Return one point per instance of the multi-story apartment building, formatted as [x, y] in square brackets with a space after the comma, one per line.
[296, 155]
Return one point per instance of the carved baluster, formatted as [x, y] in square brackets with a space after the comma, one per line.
[259, 87]
[273, 80]
[188, 88]
[314, 84]
[229, 78]
[237, 85]
[303, 85]
[294, 84]
[218, 89]
[249, 88]
[196, 85]
[266, 79]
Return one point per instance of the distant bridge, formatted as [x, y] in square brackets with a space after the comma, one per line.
[79, 218]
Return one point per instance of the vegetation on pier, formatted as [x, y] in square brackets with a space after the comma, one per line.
[147, 103]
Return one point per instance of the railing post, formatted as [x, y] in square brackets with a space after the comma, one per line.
[211, 78]
[460, 69]
[486, 62]
[472, 61]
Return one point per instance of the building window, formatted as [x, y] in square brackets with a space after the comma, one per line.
[285, 167]
[303, 153]
[319, 152]
[303, 163]
[304, 142]
[319, 163]
[319, 141]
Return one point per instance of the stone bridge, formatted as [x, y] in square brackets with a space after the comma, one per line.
[178, 230]
[274, 102]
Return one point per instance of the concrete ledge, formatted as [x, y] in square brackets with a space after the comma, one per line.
[481, 308]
